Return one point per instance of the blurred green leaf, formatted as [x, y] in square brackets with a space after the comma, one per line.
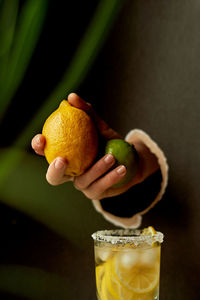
[8, 17]
[34, 284]
[26, 35]
[62, 209]
[9, 160]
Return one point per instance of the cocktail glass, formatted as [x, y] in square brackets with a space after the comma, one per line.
[127, 264]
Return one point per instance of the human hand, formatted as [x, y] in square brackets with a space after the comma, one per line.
[96, 182]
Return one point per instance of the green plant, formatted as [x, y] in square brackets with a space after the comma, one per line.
[18, 37]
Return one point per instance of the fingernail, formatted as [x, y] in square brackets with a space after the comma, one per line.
[59, 164]
[121, 170]
[109, 158]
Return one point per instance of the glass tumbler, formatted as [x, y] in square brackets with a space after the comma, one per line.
[127, 264]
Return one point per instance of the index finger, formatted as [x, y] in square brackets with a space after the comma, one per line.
[104, 129]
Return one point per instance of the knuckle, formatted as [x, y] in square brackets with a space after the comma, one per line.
[93, 192]
[50, 181]
[92, 196]
[88, 195]
[79, 184]
[100, 168]
[97, 190]
[111, 177]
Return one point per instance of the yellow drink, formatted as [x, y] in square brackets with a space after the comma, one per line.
[127, 264]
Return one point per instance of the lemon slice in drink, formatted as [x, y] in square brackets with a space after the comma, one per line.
[112, 285]
[119, 282]
[104, 283]
[136, 283]
[105, 291]
[140, 279]
[107, 285]
[149, 296]
[149, 231]
[100, 271]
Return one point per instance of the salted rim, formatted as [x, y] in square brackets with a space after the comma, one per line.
[126, 236]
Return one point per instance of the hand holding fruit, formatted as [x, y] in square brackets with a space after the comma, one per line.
[94, 180]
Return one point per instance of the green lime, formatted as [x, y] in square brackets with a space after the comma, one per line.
[125, 154]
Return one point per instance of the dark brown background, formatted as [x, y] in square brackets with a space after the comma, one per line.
[147, 76]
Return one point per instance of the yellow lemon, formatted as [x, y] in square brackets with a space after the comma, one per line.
[70, 133]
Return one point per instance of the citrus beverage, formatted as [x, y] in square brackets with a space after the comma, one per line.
[127, 264]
